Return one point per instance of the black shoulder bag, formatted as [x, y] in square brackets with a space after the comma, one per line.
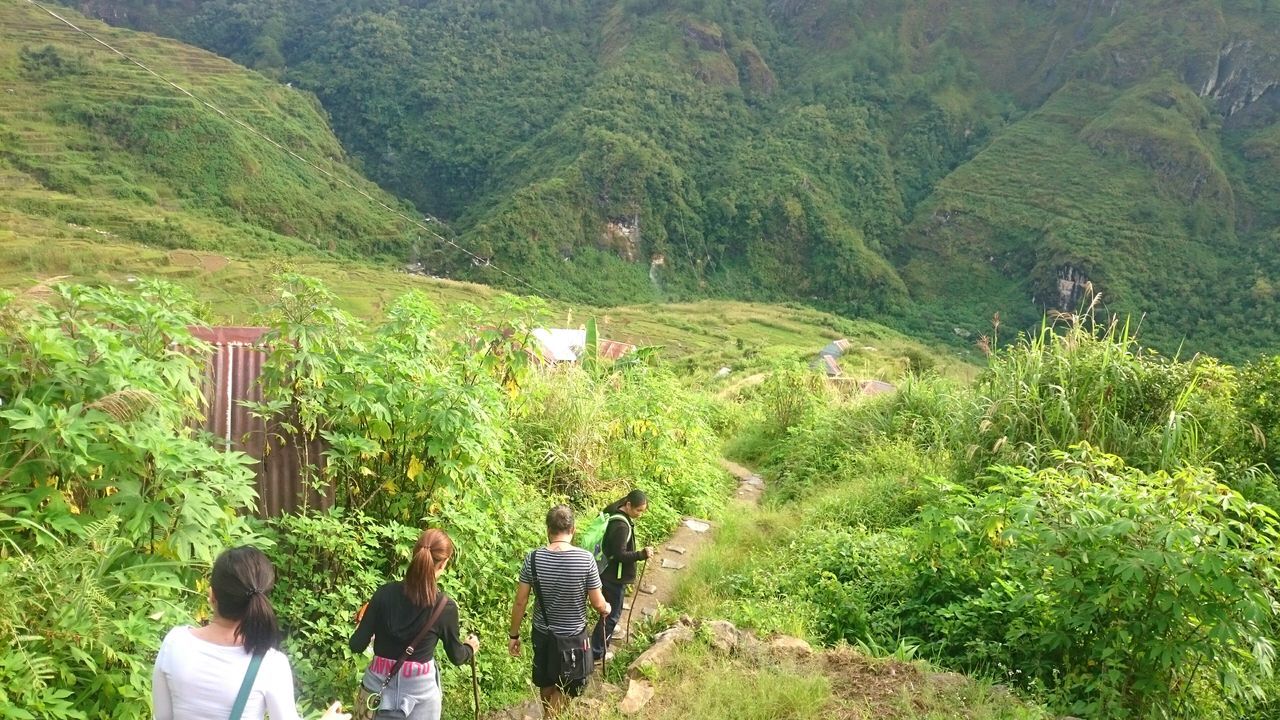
[572, 651]
[373, 700]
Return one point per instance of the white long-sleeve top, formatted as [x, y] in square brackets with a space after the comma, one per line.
[195, 679]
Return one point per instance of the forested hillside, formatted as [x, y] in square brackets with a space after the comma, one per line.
[93, 146]
[934, 161]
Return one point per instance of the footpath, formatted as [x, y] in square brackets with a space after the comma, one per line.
[852, 685]
[662, 574]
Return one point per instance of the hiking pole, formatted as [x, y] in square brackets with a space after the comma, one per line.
[475, 686]
[636, 596]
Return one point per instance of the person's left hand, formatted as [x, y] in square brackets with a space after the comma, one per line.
[513, 647]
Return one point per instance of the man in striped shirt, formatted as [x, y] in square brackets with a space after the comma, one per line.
[563, 578]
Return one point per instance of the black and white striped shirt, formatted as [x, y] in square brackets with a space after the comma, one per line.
[564, 578]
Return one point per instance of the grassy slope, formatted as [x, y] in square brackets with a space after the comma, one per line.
[700, 337]
[836, 684]
[88, 138]
[807, 150]
[1068, 187]
[1164, 197]
[792, 149]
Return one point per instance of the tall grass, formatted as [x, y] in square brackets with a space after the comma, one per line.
[1079, 381]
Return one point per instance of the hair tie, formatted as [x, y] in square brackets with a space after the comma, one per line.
[253, 591]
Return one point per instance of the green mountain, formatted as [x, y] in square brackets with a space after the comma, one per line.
[929, 161]
[92, 145]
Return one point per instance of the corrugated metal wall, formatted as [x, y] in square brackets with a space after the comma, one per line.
[231, 376]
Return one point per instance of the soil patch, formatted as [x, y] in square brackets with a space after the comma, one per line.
[875, 684]
[208, 262]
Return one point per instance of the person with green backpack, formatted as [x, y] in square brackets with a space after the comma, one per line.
[611, 538]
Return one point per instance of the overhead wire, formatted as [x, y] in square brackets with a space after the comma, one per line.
[476, 259]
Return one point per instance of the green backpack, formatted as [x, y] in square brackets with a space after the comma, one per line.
[591, 538]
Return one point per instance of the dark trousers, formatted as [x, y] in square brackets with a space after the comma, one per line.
[614, 592]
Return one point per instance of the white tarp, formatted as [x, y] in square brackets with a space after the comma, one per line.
[560, 344]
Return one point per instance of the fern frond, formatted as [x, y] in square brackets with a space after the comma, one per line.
[126, 405]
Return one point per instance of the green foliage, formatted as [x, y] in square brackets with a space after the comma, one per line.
[105, 145]
[873, 157]
[788, 397]
[111, 501]
[1091, 522]
[83, 619]
[855, 157]
[593, 436]
[113, 504]
[49, 64]
[1121, 593]
[1260, 401]
[100, 391]
[436, 417]
[1079, 382]
[404, 411]
[353, 554]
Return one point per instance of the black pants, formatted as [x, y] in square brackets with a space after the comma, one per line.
[614, 592]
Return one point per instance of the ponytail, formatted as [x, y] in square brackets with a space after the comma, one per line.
[259, 629]
[433, 548]
[241, 579]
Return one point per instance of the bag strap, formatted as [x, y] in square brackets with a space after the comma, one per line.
[631, 531]
[624, 518]
[537, 592]
[422, 634]
[246, 685]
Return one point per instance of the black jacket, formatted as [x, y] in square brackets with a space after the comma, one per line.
[620, 550]
[393, 622]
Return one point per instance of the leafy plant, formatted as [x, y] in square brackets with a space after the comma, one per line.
[1122, 593]
[101, 389]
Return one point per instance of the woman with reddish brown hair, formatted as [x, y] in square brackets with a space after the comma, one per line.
[406, 620]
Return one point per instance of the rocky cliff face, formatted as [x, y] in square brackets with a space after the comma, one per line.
[1244, 82]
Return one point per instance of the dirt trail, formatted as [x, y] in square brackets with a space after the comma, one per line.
[662, 573]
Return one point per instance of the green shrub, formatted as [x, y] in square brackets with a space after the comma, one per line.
[47, 63]
[1121, 593]
[904, 433]
[592, 436]
[857, 583]
[166, 233]
[882, 485]
[327, 565]
[1260, 407]
[111, 503]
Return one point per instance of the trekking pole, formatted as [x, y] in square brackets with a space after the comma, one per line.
[636, 597]
[475, 687]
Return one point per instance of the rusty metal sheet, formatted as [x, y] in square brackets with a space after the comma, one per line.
[232, 373]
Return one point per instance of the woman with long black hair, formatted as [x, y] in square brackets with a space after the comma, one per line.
[619, 546]
[404, 674]
[232, 666]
